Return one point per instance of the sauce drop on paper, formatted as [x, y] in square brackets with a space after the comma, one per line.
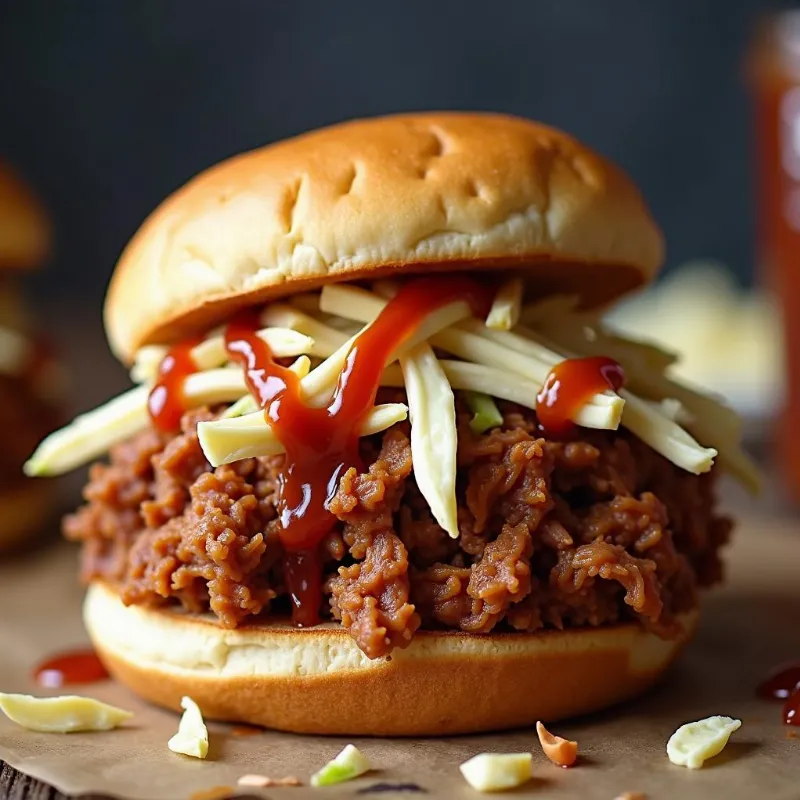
[791, 709]
[323, 443]
[781, 683]
[569, 385]
[69, 668]
[784, 684]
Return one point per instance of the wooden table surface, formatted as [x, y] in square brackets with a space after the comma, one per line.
[16, 785]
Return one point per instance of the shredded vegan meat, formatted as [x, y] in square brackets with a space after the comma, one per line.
[554, 534]
[371, 597]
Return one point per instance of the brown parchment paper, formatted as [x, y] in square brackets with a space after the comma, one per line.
[748, 627]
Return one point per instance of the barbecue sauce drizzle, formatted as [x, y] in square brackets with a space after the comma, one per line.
[166, 402]
[569, 385]
[321, 444]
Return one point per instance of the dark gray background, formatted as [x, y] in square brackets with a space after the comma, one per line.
[108, 105]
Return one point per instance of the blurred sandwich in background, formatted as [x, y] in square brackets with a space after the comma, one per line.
[31, 380]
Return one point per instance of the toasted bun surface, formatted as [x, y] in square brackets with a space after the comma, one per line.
[316, 680]
[25, 507]
[24, 228]
[409, 193]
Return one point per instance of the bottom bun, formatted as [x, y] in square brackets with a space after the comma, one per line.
[25, 508]
[316, 680]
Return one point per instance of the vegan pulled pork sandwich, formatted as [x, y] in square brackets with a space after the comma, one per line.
[384, 470]
[29, 382]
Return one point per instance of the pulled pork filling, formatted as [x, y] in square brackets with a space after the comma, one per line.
[553, 534]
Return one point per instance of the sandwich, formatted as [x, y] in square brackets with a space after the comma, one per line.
[384, 469]
[30, 383]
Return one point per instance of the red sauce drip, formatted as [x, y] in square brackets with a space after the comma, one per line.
[166, 403]
[791, 708]
[302, 570]
[781, 683]
[79, 666]
[322, 443]
[569, 385]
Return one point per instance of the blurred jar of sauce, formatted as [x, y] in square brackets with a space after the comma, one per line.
[773, 72]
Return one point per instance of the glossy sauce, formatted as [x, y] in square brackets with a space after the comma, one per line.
[323, 443]
[781, 683]
[784, 684]
[569, 386]
[66, 669]
[166, 403]
[791, 709]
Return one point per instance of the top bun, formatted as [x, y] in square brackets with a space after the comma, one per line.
[400, 194]
[24, 227]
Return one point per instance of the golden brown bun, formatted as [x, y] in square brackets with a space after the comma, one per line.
[409, 193]
[24, 228]
[316, 680]
[25, 508]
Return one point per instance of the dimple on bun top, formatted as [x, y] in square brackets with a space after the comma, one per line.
[401, 194]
